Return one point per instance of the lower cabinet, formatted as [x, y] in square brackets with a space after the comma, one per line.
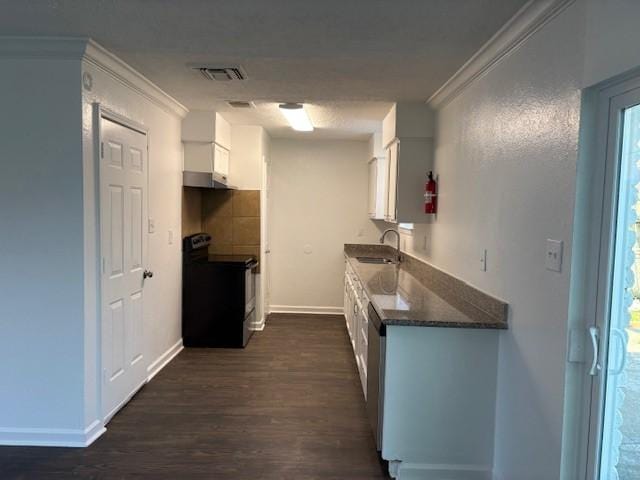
[355, 312]
[437, 404]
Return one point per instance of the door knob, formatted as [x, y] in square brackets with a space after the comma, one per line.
[147, 274]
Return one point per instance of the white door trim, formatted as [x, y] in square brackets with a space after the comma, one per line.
[101, 112]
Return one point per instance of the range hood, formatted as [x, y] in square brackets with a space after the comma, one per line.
[205, 180]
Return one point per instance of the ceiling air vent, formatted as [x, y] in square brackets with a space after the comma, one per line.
[222, 74]
[240, 104]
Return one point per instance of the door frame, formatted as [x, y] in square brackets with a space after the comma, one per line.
[100, 112]
[265, 248]
[597, 205]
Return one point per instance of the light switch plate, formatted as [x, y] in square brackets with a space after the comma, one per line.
[553, 260]
[483, 260]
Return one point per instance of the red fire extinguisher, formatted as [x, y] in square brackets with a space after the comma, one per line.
[430, 195]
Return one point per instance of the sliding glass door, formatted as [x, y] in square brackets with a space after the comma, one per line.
[614, 437]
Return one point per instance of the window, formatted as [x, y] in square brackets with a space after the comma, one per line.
[406, 228]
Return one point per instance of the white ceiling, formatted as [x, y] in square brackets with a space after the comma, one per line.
[347, 59]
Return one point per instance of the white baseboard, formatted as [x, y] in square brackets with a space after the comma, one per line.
[257, 326]
[52, 437]
[306, 309]
[164, 359]
[430, 471]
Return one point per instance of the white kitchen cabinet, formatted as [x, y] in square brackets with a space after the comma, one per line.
[377, 187]
[206, 137]
[206, 126]
[355, 312]
[408, 135]
[439, 401]
[221, 160]
[206, 158]
[437, 396]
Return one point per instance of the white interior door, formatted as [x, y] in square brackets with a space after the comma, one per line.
[123, 221]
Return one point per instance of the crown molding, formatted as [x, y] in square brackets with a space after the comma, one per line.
[85, 49]
[529, 19]
[101, 58]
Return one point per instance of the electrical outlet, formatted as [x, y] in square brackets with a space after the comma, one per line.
[483, 260]
[170, 237]
[553, 260]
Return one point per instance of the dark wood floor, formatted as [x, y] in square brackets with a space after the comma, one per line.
[289, 406]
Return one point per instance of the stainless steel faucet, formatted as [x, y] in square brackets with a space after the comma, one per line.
[384, 234]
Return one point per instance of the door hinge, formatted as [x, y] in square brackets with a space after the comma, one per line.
[101, 149]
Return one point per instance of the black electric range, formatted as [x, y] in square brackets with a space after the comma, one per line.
[218, 295]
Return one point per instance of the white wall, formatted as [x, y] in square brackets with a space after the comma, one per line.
[318, 202]
[48, 250]
[41, 241]
[163, 305]
[245, 170]
[506, 155]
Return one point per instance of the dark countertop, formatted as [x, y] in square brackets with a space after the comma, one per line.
[401, 299]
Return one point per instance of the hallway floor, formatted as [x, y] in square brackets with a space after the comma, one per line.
[289, 406]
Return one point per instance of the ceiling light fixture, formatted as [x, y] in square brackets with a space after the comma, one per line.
[296, 116]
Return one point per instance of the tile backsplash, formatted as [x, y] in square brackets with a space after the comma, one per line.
[232, 218]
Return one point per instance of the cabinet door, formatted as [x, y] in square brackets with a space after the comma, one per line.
[355, 326]
[392, 184]
[197, 157]
[221, 160]
[373, 187]
[348, 308]
[346, 299]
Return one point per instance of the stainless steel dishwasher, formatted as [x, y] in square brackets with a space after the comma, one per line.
[377, 339]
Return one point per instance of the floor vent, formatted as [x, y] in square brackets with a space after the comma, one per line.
[222, 74]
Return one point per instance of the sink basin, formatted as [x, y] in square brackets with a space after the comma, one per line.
[382, 261]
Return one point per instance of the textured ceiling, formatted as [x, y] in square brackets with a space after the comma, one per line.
[348, 59]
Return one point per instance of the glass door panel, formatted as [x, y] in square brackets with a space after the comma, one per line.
[620, 428]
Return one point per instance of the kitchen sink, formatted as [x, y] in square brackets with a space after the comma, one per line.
[379, 260]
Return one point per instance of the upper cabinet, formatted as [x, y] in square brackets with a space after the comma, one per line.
[407, 137]
[206, 137]
[206, 126]
[377, 177]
